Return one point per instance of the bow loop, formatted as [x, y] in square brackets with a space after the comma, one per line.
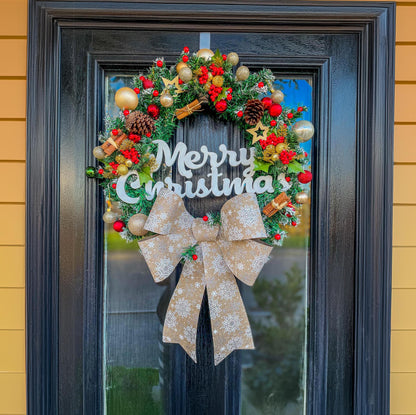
[241, 218]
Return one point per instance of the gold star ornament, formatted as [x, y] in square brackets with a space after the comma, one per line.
[259, 132]
[175, 83]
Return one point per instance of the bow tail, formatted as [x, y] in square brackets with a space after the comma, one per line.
[181, 322]
[229, 322]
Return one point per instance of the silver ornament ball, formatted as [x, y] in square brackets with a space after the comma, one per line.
[136, 224]
[99, 153]
[304, 130]
[166, 100]
[301, 198]
[110, 216]
[277, 97]
[233, 58]
[242, 73]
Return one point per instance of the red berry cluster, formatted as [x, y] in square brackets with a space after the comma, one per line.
[203, 79]
[214, 91]
[114, 166]
[134, 137]
[131, 154]
[286, 156]
[272, 140]
[216, 70]
[221, 105]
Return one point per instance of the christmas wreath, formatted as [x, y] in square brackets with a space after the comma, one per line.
[164, 96]
[235, 242]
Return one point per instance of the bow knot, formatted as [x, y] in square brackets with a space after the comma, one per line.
[223, 253]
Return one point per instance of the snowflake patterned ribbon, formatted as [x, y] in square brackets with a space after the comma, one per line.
[223, 253]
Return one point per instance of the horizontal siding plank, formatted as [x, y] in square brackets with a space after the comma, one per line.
[405, 28]
[12, 351]
[404, 226]
[13, 102]
[406, 63]
[12, 224]
[405, 143]
[13, 17]
[12, 260]
[404, 110]
[12, 393]
[403, 356]
[14, 186]
[403, 309]
[404, 275]
[15, 50]
[402, 388]
[403, 187]
[17, 130]
[12, 308]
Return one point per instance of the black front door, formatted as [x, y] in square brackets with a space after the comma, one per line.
[308, 310]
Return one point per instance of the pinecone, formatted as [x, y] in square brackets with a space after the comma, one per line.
[253, 112]
[139, 123]
[126, 145]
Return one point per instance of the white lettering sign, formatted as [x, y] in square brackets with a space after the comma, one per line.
[187, 161]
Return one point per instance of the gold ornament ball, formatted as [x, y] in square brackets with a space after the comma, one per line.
[205, 54]
[128, 163]
[242, 73]
[218, 81]
[122, 169]
[233, 58]
[302, 198]
[126, 99]
[280, 147]
[99, 153]
[275, 157]
[136, 224]
[304, 130]
[277, 97]
[110, 216]
[166, 100]
[185, 74]
[181, 65]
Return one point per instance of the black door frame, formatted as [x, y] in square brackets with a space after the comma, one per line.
[375, 25]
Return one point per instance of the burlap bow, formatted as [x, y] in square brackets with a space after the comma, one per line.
[222, 253]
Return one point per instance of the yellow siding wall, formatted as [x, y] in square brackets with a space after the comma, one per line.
[13, 31]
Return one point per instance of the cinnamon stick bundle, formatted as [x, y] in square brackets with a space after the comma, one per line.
[113, 143]
[278, 203]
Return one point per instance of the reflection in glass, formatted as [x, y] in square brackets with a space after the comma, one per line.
[137, 364]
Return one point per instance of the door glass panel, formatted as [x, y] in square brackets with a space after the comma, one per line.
[137, 365]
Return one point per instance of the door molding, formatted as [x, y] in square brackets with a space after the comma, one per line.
[373, 22]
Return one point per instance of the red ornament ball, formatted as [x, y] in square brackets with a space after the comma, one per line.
[221, 105]
[185, 58]
[186, 49]
[148, 134]
[239, 114]
[180, 81]
[275, 110]
[224, 57]
[153, 110]
[267, 102]
[293, 223]
[118, 225]
[155, 93]
[147, 83]
[205, 218]
[305, 177]
[277, 237]
[230, 90]
[100, 171]
[137, 90]
[300, 109]
[290, 115]
[142, 78]
[126, 112]
[273, 123]
[194, 257]
[114, 185]
[305, 154]
[229, 97]
[114, 132]
[288, 215]
[260, 84]
[288, 179]
[159, 63]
